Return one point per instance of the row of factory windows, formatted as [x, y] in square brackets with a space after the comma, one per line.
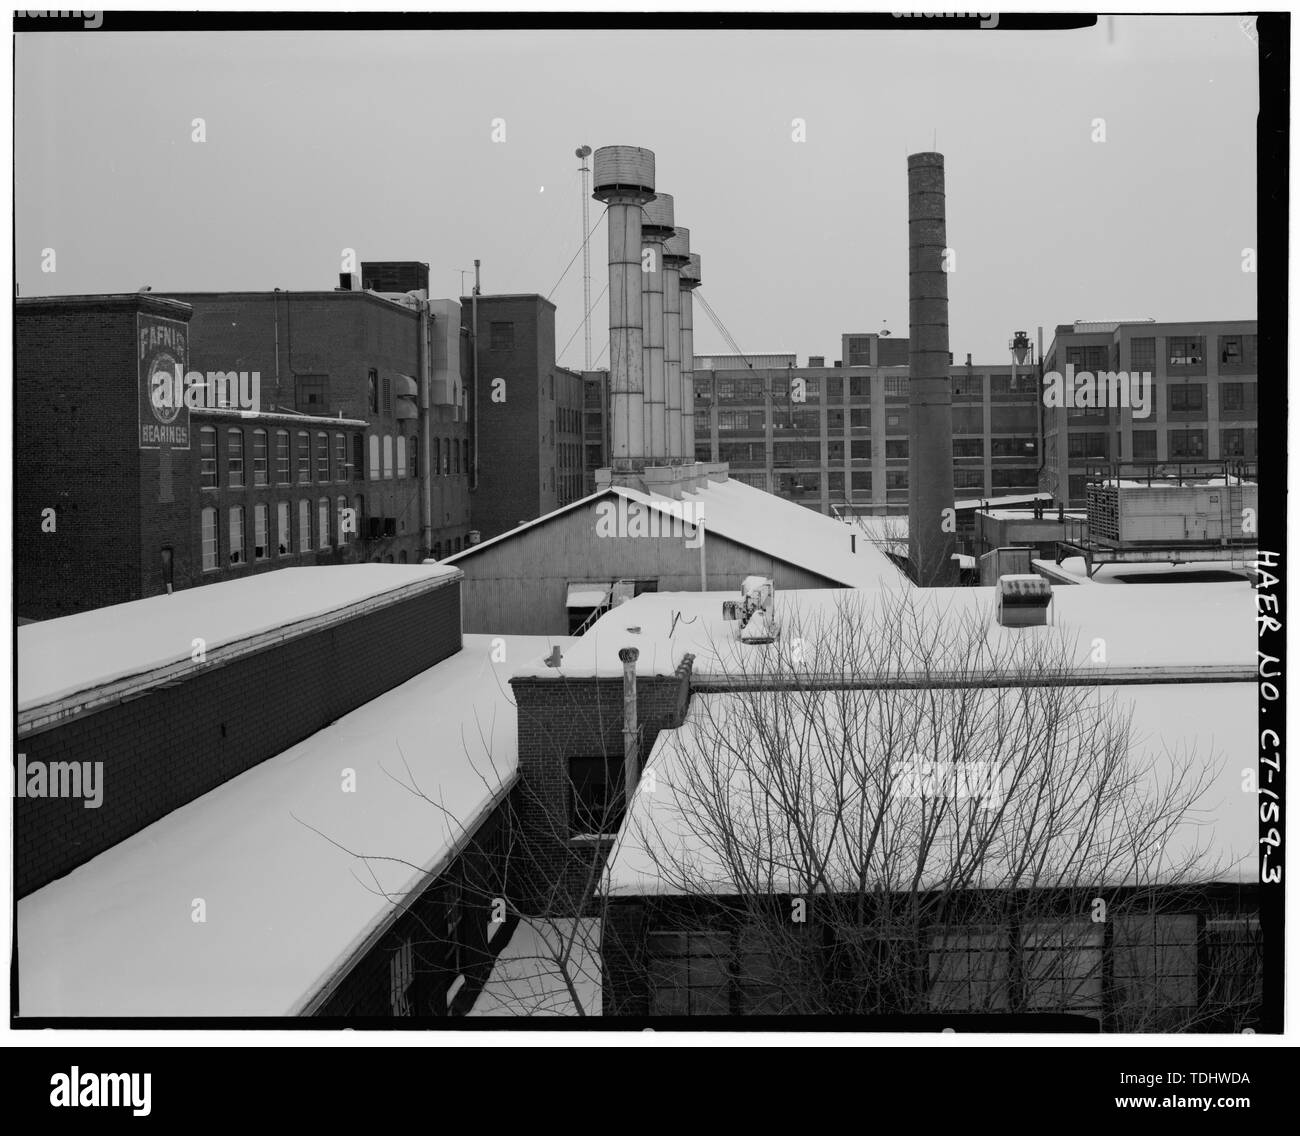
[1202, 967]
[1022, 386]
[1233, 443]
[1181, 351]
[1004, 420]
[859, 450]
[325, 525]
[337, 457]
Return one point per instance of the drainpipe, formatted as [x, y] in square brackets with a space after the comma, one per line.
[424, 350]
[474, 320]
[631, 774]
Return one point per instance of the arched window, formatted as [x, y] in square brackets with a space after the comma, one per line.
[347, 525]
[260, 519]
[388, 455]
[360, 506]
[259, 457]
[322, 456]
[283, 529]
[340, 457]
[323, 522]
[304, 525]
[374, 457]
[208, 457]
[235, 458]
[210, 550]
[304, 458]
[401, 455]
[236, 534]
[282, 457]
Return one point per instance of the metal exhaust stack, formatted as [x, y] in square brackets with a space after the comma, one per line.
[931, 537]
[677, 254]
[631, 774]
[689, 280]
[624, 179]
[656, 228]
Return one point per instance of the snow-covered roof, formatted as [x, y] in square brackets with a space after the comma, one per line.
[1073, 568]
[155, 639]
[668, 843]
[529, 977]
[1191, 629]
[757, 519]
[287, 908]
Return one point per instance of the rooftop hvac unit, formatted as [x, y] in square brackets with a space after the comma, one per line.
[1023, 601]
[1163, 515]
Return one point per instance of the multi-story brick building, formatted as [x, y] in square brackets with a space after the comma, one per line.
[530, 426]
[836, 437]
[1202, 408]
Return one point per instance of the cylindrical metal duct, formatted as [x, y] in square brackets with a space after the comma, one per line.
[631, 734]
[656, 228]
[677, 254]
[624, 178]
[931, 517]
[688, 281]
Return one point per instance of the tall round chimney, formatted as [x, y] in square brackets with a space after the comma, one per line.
[624, 178]
[688, 281]
[931, 518]
[656, 228]
[677, 254]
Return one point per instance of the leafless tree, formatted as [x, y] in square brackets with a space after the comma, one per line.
[902, 807]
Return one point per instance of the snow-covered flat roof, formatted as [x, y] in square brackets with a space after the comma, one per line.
[668, 843]
[1074, 568]
[75, 654]
[286, 906]
[533, 973]
[1155, 627]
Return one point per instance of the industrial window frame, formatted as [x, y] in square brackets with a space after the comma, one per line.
[283, 471]
[235, 457]
[210, 542]
[235, 551]
[209, 477]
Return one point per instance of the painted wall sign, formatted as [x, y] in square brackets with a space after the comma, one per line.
[163, 356]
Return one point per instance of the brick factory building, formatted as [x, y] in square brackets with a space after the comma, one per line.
[1203, 406]
[530, 426]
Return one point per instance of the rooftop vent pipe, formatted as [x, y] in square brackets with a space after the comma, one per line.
[631, 774]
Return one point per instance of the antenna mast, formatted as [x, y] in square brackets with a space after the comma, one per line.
[582, 153]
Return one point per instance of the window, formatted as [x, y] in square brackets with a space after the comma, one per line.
[834, 389]
[968, 447]
[501, 336]
[1092, 359]
[1091, 445]
[304, 525]
[346, 525]
[260, 549]
[1186, 444]
[388, 394]
[359, 517]
[358, 456]
[1010, 447]
[596, 794]
[895, 449]
[413, 470]
[970, 970]
[401, 468]
[340, 457]
[1014, 478]
[1186, 351]
[304, 458]
[895, 386]
[237, 534]
[688, 973]
[235, 458]
[1061, 965]
[283, 530]
[322, 456]
[401, 981]
[895, 479]
[372, 388]
[859, 386]
[1232, 443]
[1142, 354]
[968, 386]
[446, 457]
[1144, 445]
[323, 522]
[859, 351]
[1188, 398]
[259, 457]
[374, 457]
[388, 456]
[968, 478]
[310, 393]
[455, 456]
[210, 550]
[1231, 970]
[208, 457]
[1239, 351]
[282, 457]
[1154, 954]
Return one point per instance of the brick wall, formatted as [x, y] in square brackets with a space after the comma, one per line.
[560, 718]
[76, 451]
[177, 742]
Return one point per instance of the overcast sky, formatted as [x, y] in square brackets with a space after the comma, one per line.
[382, 142]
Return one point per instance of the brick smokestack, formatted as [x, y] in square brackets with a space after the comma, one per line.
[931, 518]
[624, 178]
